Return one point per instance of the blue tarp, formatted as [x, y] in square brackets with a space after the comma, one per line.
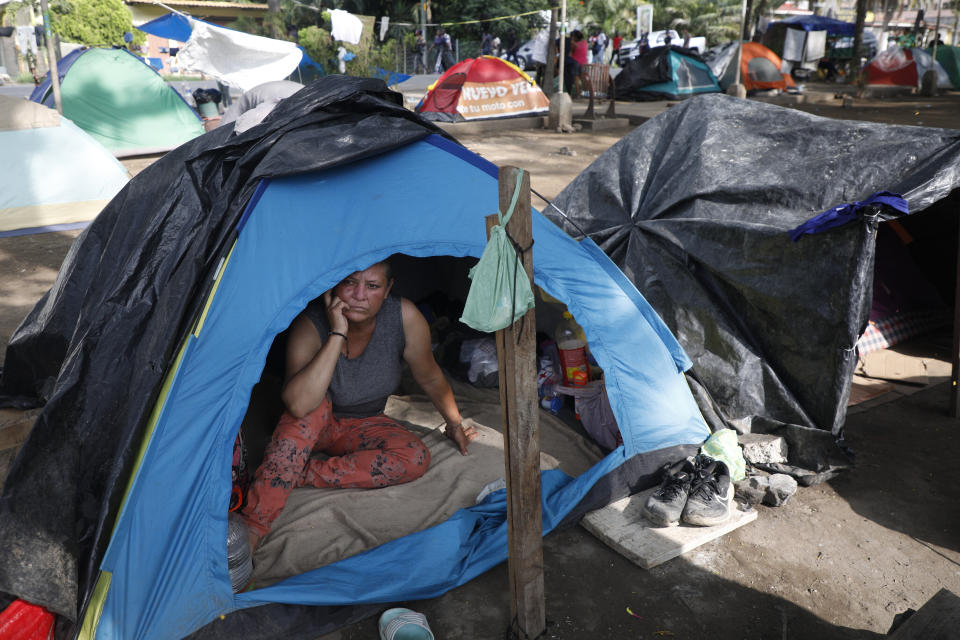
[820, 23]
[173, 25]
[167, 557]
[391, 77]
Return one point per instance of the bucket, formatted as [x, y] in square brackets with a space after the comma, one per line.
[208, 109]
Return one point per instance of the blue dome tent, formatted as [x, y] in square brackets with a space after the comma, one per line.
[665, 73]
[174, 329]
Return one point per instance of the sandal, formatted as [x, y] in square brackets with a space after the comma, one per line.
[404, 624]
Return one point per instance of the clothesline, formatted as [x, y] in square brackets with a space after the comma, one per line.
[380, 20]
[427, 24]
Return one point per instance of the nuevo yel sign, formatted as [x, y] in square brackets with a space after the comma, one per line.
[500, 98]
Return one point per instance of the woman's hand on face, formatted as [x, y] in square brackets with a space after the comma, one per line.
[335, 312]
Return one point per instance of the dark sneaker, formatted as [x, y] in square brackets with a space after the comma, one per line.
[711, 494]
[665, 505]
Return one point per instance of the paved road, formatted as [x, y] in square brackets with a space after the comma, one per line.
[18, 90]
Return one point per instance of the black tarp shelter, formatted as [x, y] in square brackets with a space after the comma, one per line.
[695, 206]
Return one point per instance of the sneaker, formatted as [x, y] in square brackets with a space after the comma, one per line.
[711, 494]
[664, 506]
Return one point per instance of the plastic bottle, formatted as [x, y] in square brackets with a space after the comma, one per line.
[548, 377]
[572, 345]
[239, 560]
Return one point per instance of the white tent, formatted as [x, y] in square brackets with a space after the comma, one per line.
[56, 175]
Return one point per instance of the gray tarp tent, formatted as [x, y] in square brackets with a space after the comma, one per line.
[698, 216]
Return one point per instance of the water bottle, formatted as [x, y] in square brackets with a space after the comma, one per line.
[239, 559]
[548, 377]
[572, 345]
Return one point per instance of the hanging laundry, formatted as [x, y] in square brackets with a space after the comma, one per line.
[345, 26]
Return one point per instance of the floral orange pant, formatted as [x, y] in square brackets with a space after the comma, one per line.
[363, 453]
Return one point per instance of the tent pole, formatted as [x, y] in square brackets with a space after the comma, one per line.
[517, 364]
[51, 56]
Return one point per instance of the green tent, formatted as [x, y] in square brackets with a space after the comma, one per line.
[949, 59]
[121, 101]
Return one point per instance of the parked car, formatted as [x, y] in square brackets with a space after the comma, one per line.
[524, 56]
[630, 50]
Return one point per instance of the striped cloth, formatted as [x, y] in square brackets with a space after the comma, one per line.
[898, 327]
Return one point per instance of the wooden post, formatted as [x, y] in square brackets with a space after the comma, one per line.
[51, 57]
[954, 410]
[517, 357]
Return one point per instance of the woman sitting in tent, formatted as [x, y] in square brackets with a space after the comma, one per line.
[343, 361]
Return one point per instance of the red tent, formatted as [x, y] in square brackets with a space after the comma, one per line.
[484, 87]
[904, 67]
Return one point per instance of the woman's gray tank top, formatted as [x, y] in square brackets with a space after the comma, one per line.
[361, 385]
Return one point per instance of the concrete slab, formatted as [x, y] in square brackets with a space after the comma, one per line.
[492, 126]
[938, 619]
[622, 527]
[602, 124]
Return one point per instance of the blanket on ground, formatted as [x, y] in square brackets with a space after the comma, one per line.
[321, 526]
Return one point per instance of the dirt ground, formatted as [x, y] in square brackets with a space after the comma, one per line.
[839, 560]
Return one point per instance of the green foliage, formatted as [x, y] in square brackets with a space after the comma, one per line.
[321, 47]
[611, 15]
[458, 11]
[718, 20]
[250, 25]
[93, 22]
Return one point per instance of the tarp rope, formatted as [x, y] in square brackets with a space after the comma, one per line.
[557, 209]
[845, 213]
[495, 284]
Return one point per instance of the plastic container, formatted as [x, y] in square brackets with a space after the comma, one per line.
[548, 377]
[239, 560]
[572, 345]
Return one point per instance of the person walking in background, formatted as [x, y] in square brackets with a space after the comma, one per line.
[601, 46]
[538, 54]
[617, 41]
[443, 47]
[512, 47]
[574, 62]
[486, 44]
[644, 45]
[420, 51]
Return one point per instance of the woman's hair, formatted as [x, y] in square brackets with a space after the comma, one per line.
[387, 269]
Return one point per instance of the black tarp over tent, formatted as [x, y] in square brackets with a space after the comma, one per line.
[62, 493]
[695, 207]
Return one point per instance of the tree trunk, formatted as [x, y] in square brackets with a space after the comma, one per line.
[746, 35]
[858, 33]
[273, 8]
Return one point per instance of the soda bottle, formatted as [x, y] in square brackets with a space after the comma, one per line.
[549, 377]
[572, 345]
